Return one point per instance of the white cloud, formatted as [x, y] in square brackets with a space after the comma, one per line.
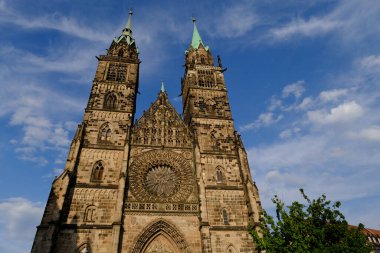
[53, 21]
[18, 219]
[72, 60]
[32, 109]
[371, 63]
[351, 22]
[285, 134]
[305, 104]
[319, 162]
[264, 119]
[332, 95]
[237, 21]
[296, 89]
[345, 112]
[308, 28]
[275, 103]
[371, 133]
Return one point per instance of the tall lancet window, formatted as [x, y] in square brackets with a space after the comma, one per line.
[105, 134]
[110, 101]
[219, 175]
[89, 214]
[97, 172]
[225, 217]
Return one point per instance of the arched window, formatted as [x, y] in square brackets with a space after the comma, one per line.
[225, 217]
[89, 214]
[84, 248]
[110, 101]
[120, 53]
[219, 175]
[231, 249]
[97, 172]
[105, 134]
[203, 61]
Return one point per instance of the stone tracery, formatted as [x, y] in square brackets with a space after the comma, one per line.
[159, 228]
[162, 176]
[161, 125]
[161, 180]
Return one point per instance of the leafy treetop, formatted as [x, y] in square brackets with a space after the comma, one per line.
[317, 226]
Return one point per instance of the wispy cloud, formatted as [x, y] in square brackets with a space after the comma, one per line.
[343, 113]
[56, 21]
[326, 143]
[296, 89]
[332, 95]
[270, 117]
[348, 21]
[238, 20]
[308, 28]
[18, 218]
[264, 120]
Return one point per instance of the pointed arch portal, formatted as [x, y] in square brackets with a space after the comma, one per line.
[160, 237]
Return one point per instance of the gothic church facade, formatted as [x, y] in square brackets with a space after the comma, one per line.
[164, 183]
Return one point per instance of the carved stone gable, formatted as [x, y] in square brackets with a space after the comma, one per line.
[161, 125]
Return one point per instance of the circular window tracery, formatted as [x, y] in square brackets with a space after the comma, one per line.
[161, 180]
[161, 176]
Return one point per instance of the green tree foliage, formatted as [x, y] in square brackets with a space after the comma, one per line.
[317, 226]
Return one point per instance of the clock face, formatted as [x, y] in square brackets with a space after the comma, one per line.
[161, 181]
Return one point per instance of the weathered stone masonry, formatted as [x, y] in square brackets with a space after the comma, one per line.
[161, 184]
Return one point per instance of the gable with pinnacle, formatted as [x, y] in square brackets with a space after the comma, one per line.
[161, 125]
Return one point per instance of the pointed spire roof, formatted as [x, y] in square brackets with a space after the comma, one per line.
[197, 40]
[128, 27]
[126, 35]
[162, 87]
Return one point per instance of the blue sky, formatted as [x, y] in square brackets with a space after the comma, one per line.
[303, 82]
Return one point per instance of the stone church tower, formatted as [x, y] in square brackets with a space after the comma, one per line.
[161, 184]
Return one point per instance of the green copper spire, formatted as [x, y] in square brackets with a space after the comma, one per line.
[197, 40]
[128, 27]
[196, 37]
[126, 35]
[162, 87]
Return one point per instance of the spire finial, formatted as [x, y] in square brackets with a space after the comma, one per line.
[162, 86]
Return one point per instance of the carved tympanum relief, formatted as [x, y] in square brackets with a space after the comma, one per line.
[160, 244]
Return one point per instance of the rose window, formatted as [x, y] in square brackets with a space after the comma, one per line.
[161, 181]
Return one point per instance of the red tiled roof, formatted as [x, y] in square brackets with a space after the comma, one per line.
[369, 231]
